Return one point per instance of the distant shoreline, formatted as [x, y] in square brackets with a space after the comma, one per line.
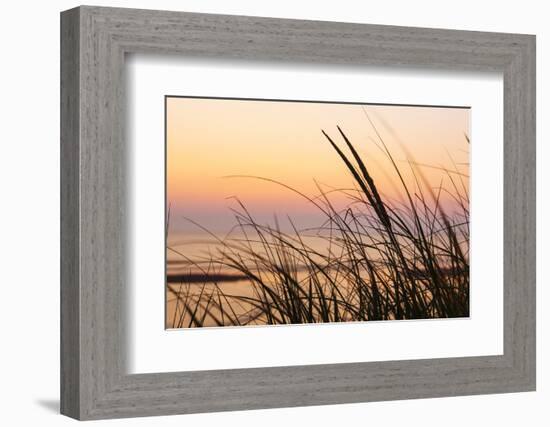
[204, 278]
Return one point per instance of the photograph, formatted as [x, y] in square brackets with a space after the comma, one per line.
[294, 212]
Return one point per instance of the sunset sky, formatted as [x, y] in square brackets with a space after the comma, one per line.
[211, 139]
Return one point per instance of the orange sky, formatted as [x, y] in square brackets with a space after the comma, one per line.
[210, 139]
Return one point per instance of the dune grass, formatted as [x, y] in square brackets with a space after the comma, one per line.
[384, 260]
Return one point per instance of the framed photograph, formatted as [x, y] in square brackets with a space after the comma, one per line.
[261, 213]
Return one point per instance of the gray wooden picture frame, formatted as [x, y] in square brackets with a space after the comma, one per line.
[94, 382]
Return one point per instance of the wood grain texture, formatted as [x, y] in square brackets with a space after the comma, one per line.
[70, 315]
[94, 382]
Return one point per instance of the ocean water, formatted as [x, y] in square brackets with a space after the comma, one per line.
[195, 269]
